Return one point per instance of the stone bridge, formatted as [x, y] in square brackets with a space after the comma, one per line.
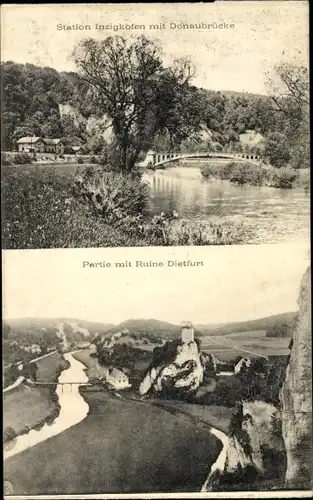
[154, 160]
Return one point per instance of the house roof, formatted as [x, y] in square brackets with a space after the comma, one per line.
[51, 141]
[116, 373]
[76, 148]
[30, 140]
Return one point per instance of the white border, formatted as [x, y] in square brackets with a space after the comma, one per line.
[222, 494]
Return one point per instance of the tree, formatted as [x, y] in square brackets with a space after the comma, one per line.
[277, 149]
[136, 92]
[289, 92]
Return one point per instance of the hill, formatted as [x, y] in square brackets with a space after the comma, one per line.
[20, 324]
[268, 323]
[44, 102]
[159, 328]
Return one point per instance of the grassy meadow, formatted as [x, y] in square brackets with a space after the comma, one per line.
[246, 344]
[27, 407]
[136, 447]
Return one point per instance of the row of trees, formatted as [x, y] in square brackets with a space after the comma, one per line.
[124, 92]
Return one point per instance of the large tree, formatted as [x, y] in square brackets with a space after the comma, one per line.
[139, 95]
[288, 88]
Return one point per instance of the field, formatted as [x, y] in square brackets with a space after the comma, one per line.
[249, 344]
[122, 446]
[26, 407]
[217, 416]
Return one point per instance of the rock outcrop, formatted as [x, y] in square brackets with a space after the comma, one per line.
[176, 369]
[296, 396]
[254, 450]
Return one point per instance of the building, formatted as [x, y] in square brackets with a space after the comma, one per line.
[33, 349]
[40, 145]
[187, 333]
[251, 138]
[228, 369]
[31, 145]
[242, 363]
[54, 146]
[117, 379]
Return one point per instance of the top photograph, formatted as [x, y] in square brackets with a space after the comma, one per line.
[155, 124]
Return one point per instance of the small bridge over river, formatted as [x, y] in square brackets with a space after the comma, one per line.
[63, 385]
[155, 160]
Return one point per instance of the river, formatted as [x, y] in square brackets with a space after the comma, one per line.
[272, 215]
[73, 409]
[63, 458]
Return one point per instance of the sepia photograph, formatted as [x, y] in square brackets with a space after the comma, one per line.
[158, 379]
[155, 125]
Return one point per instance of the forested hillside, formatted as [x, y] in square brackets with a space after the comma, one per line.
[43, 102]
[31, 98]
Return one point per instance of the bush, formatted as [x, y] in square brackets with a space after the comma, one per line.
[255, 175]
[112, 196]
[80, 160]
[45, 212]
[8, 433]
[283, 177]
[6, 159]
[22, 159]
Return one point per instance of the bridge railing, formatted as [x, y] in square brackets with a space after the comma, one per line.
[155, 159]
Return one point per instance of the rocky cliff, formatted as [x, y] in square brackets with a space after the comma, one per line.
[175, 369]
[296, 396]
[253, 452]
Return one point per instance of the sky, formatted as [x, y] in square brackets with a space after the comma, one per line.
[265, 33]
[235, 283]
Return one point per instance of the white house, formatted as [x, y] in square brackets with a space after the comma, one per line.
[243, 362]
[117, 379]
[251, 138]
[53, 146]
[40, 145]
[31, 145]
[34, 348]
[225, 369]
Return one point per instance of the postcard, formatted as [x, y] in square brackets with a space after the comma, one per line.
[155, 125]
[156, 251]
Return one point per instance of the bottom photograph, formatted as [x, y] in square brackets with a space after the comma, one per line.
[160, 378]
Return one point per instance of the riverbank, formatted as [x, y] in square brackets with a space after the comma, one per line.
[29, 407]
[216, 416]
[123, 447]
[93, 369]
[257, 175]
[41, 211]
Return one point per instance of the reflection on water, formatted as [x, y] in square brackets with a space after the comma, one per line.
[275, 215]
[73, 409]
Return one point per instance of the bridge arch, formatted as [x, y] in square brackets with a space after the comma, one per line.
[159, 159]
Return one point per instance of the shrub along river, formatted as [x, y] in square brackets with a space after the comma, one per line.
[103, 444]
[271, 215]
